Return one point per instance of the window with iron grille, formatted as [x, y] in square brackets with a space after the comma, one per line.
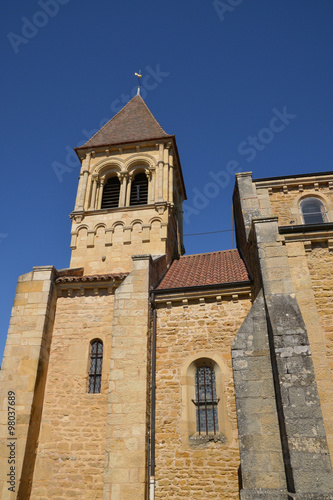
[110, 198]
[313, 211]
[139, 190]
[206, 401]
[96, 361]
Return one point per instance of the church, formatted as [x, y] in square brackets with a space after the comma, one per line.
[142, 373]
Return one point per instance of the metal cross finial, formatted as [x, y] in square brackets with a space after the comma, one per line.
[139, 80]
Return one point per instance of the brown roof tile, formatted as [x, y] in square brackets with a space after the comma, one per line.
[134, 122]
[205, 269]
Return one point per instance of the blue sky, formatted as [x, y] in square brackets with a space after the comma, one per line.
[220, 72]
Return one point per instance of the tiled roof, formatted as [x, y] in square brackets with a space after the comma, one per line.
[92, 277]
[134, 122]
[205, 269]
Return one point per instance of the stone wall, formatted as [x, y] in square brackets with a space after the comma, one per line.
[187, 467]
[23, 373]
[312, 279]
[320, 265]
[105, 242]
[304, 443]
[258, 429]
[126, 434]
[285, 202]
[71, 452]
[296, 349]
[320, 262]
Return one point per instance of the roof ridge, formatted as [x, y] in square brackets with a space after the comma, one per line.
[210, 253]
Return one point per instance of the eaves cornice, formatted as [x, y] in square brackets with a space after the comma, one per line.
[309, 233]
[90, 284]
[295, 180]
[217, 292]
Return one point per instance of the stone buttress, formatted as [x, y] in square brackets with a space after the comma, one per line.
[283, 444]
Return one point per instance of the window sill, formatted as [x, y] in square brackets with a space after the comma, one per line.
[198, 439]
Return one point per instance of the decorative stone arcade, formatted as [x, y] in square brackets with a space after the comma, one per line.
[103, 240]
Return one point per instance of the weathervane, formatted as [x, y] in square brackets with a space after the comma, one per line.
[139, 80]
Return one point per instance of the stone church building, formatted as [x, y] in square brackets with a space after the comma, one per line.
[141, 373]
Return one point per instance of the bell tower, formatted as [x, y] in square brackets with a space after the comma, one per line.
[130, 194]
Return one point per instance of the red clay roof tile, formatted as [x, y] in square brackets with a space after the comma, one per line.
[205, 269]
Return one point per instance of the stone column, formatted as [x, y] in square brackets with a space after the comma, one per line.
[83, 183]
[93, 194]
[129, 186]
[123, 185]
[149, 177]
[171, 174]
[79, 187]
[166, 174]
[156, 184]
[160, 173]
[152, 185]
[100, 194]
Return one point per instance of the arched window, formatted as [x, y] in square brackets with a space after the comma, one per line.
[110, 198]
[313, 211]
[205, 400]
[139, 190]
[96, 361]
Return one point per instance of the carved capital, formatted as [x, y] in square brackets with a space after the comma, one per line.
[122, 175]
[160, 207]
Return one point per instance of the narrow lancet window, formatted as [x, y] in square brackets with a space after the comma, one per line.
[139, 190]
[313, 211]
[206, 400]
[95, 371]
[110, 198]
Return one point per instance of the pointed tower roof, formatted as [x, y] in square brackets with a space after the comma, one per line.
[134, 122]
